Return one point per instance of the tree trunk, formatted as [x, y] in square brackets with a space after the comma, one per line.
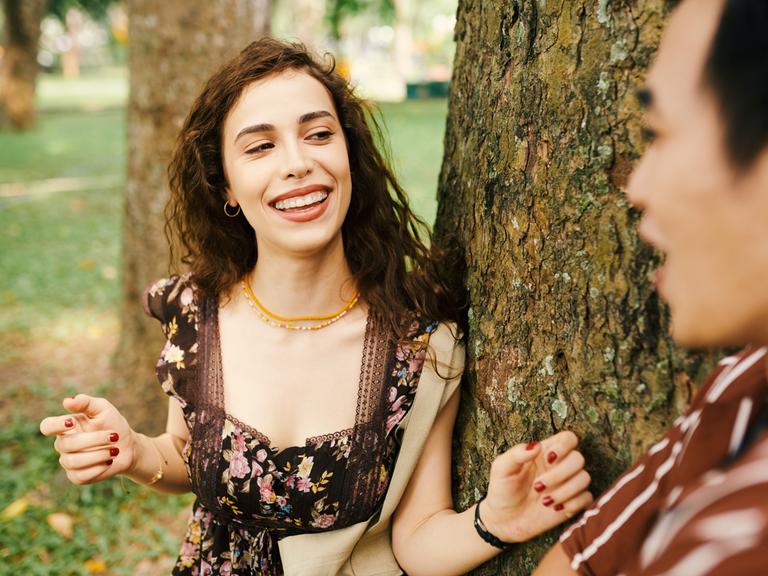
[565, 331]
[18, 65]
[174, 47]
[70, 58]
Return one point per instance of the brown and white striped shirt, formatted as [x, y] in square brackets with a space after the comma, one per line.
[696, 503]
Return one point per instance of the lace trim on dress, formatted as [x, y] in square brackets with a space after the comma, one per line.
[362, 484]
[206, 438]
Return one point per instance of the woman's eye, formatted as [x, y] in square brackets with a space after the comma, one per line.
[322, 135]
[649, 134]
[260, 148]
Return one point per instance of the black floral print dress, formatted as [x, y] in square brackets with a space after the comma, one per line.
[249, 493]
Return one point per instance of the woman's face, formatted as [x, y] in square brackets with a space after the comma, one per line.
[286, 163]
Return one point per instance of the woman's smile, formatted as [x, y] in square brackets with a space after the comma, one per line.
[303, 204]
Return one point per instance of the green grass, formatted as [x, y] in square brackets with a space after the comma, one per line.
[105, 88]
[65, 145]
[415, 130]
[59, 289]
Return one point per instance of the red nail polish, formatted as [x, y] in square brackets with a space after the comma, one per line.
[551, 457]
[69, 422]
[547, 500]
[114, 437]
[114, 451]
[531, 445]
[558, 507]
[109, 462]
[539, 486]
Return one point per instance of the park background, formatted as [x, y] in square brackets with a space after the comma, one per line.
[521, 170]
[62, 183]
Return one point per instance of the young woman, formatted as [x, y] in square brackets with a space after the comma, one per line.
[312, 353]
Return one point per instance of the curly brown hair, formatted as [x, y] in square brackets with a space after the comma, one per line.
[396, 267]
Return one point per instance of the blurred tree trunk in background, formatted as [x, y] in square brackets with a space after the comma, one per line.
[565, 331]
[70, 58]
[308, 18]
[403, 43]
[18, 65]
[174, 47]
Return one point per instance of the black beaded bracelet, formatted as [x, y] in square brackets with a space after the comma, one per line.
[487, 536]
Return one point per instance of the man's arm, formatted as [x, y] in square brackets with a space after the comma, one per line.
[555, 563]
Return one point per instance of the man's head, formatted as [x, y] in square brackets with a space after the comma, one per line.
[703, 181]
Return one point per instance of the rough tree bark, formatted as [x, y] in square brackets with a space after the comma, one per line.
[18, 65]
[173, 49]
[565, 330]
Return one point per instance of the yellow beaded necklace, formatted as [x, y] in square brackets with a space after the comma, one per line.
[290, 323]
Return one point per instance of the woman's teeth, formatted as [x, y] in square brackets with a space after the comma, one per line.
[301, 201]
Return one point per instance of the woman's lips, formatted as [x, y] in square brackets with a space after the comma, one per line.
[304, 214]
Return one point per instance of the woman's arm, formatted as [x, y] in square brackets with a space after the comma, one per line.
[164, 450]
[95, 442]
[429, 537]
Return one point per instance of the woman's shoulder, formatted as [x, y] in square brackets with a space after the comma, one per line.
[168, 297]
[442, 342]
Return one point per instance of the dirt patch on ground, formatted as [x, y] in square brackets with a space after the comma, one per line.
[42, 366]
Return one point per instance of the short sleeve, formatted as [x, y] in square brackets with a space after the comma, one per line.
[597, 543]
[720, 528]
[173, 302]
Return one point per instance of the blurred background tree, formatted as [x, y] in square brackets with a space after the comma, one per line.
[18, 73]
[173, 50]
[22, 57]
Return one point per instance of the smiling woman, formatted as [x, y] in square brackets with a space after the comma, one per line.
[314, 311]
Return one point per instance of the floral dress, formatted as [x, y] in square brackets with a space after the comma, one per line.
[249, 493]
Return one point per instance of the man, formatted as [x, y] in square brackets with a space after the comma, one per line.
[697, 502]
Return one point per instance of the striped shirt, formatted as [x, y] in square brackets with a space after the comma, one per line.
[696, 503]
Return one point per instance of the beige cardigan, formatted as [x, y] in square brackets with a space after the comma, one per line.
[365, 549]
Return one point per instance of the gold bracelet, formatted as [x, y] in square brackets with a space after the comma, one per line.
[159, 474]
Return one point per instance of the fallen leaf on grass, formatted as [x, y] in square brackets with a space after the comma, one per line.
[95, 566]
[61, 523]
[15, 509]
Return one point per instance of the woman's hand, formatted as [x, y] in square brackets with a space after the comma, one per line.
[535, 487]
[94, 441]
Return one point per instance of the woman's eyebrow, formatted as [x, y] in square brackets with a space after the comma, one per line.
[253, 129]
[303, 119]
[309, 116]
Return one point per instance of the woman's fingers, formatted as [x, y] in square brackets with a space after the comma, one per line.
[570, 489]
[88, 475]
[512, 461]
[59, 424]
[88, 405]
[556, 447]
[560, 472]
[574, 505]
[82, 460]
[84, 441]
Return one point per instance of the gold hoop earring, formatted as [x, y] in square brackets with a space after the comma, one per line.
[230, 214]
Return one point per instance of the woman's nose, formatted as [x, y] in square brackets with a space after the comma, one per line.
[295, 163]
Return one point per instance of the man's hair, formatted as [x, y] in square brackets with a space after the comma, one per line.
[737, 72]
